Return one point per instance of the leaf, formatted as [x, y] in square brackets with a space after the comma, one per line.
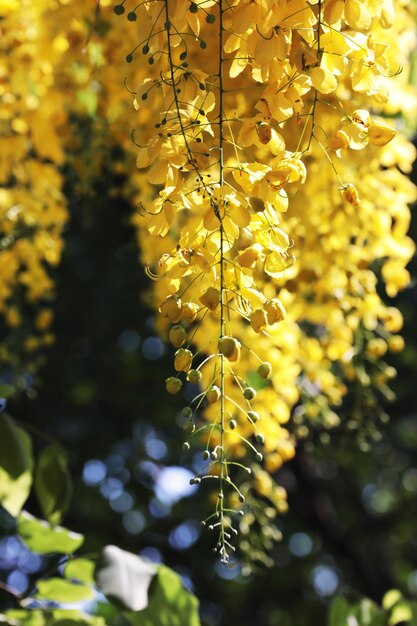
[124, 577]
[24, 617]
[72, 617]
[368, 614]
[339, 611]
[390, 598]
[58, 617]
[53, 483]
[42, 538]
[413, 620]
[80, 569]
[60, 590]
[6, 390]
[170, 603]
[401, 613]
[16, 464]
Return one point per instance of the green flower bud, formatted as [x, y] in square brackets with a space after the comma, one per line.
[173, 385]
[264, 370]
[253, 416]
[213, 394]
[249, 393]
[194, 377]
[227, 346]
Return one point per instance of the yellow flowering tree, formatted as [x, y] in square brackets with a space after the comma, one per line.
[270, 201]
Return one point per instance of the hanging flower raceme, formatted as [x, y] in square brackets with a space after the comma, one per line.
[238, 105]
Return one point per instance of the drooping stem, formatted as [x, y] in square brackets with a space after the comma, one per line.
[220, 215]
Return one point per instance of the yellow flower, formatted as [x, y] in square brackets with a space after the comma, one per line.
[211, 298]
[171, 308]
[379, 134]
[258, 320]
[275, 311]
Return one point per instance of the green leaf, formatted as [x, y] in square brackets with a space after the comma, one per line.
[339, 611]
[16, 463]
[56, 617]
[390, 598]
[170, 603]
[413, 606]
[6, 390]
[60, 590]
[401, 613]
[80, 569]
[367, 613]
[124, 577]
[53, 483]
[42, 538]
[72, 617]
[25, 617]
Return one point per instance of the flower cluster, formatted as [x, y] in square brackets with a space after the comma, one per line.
[248, 113]
[270, 200]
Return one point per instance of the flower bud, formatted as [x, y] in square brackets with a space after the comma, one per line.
[189, 311]
[194, 377]
[173, 385]
[264, 370]
[339, 140]
[258, 320]
[236, 352]
[249, 393]
[213, 394]
[275, 311]
[350, 194]
[396, 343]
[171, 308]
[211, 298]
[227, 345]
[377, 347]
[183, 360]
[177, 336]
